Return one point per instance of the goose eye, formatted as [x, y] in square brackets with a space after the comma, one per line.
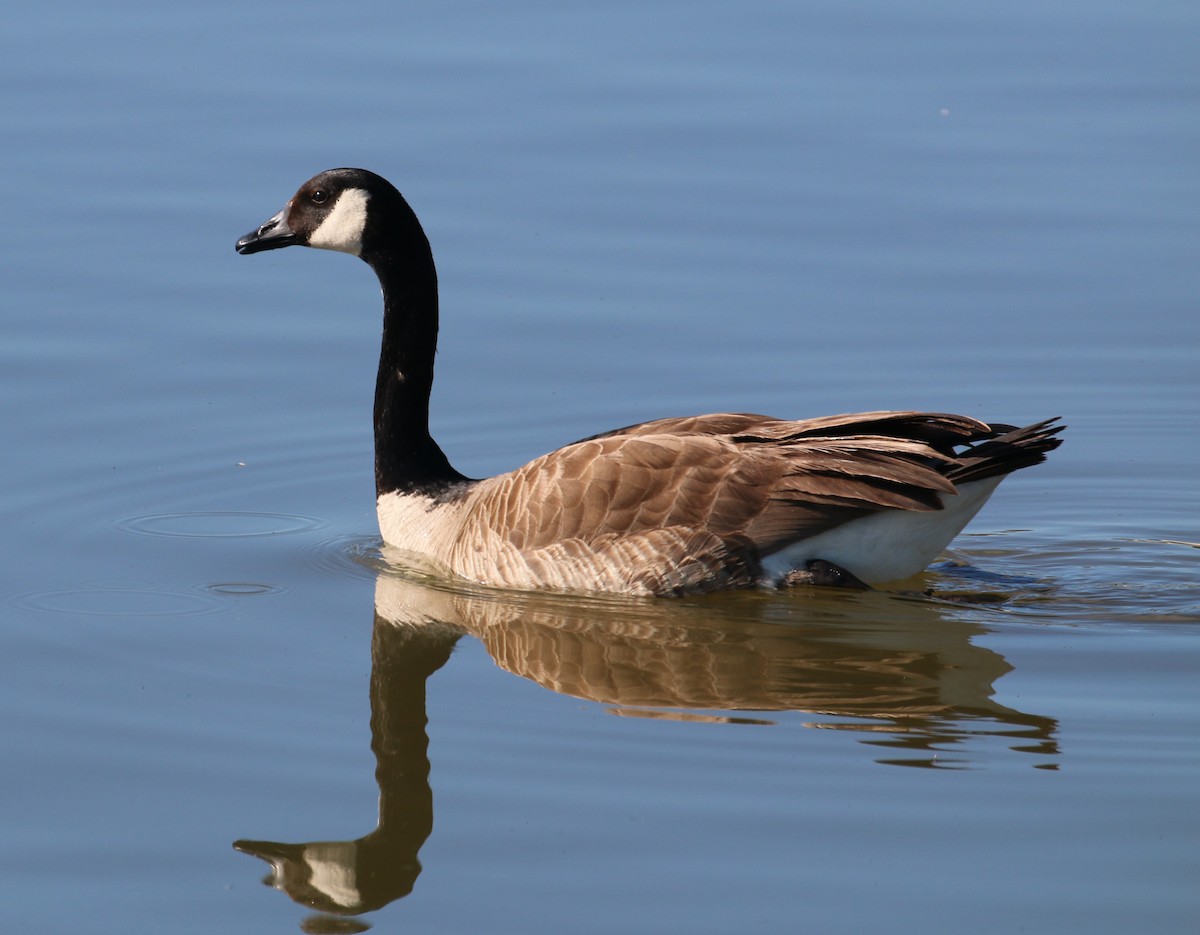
[320, 196]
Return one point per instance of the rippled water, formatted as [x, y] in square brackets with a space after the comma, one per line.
[214, 678]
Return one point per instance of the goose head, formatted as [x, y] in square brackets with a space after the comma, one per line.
[339, 209]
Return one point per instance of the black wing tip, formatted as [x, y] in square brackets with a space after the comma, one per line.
[1009, 449]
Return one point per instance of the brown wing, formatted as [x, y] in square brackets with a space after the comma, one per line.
[767, 483]
[939, 429]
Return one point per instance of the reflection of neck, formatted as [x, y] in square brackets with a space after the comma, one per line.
[402, 660]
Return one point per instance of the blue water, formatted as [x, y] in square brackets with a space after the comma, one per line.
[638, 210]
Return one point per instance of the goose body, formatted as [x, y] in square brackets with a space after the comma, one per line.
[672, 506]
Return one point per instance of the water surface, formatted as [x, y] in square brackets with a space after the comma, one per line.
[638, 210]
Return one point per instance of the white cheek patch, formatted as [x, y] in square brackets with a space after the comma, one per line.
[343, 227]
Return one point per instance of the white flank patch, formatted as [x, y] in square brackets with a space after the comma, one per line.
[343, 227]
[889, 545]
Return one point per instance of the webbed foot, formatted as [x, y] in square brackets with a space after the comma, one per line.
[823, 574]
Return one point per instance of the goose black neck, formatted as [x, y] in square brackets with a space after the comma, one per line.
[407, 459]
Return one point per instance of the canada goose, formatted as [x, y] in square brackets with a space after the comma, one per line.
[673, 506]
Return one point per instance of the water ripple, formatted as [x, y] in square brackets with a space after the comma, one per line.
[220, 524]
[118, 600]
[243, 588]
[343, 556]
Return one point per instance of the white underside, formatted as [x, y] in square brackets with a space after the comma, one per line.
[889, 545]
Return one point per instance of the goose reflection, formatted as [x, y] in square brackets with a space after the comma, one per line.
[900, 673]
